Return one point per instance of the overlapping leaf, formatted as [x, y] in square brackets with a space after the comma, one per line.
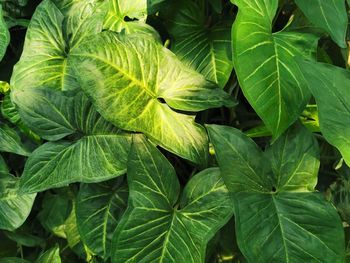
[128, 77]
[279, 217]
[330, 86]
[10, 141]
[97, 150]
[328, 15]
[53, 31]
[264, 63]
[99, 209]
[14, 208]
[50, 256]
[157, 226]
[206, 48]
[4, 35]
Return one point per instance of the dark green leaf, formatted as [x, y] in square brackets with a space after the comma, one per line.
[11, 142]
[4, 35]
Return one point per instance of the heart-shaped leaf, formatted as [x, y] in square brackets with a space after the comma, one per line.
[96, 151]
[264, 63]
[4, 35]
[328, 15]
[279, 217]
[99, 209]
[160, 227]
[330, 86]
[136, 83]
[206, 48]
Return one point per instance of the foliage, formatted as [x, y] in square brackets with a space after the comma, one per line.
[174, 131]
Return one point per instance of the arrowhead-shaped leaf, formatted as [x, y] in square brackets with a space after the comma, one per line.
[14, 208]
[158, 226]
[264, 63]
[328, 15]
[4, 35]
[128, 77]
[54, 30]
[205, 49]
[99, 209]
[330, 86]
[97, 150]
[279, 217]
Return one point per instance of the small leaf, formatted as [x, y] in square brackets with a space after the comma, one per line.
[265, 66]
[330, 86]
[157, 227]
[328, 15]
[50, 256]
[4, 35]
[13, 260]
[99, 209]
[11, 142]
[284, 220]
[127, 90]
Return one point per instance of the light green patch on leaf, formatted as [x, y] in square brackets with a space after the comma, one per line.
[14, 208]
[96, 151]
[328, 15]
[98, 211]
[205, 48]
[127, 79]
[10, 141]
[4, 35]
[279, 217]
[50, 256]
[160, 226]
[330, 86]
[265, 66]
[53, 32]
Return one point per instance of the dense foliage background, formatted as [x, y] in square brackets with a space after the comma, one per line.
[174, 131]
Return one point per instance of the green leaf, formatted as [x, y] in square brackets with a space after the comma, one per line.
[51, 34]
[96, 152]
[3, 167]
[23, 237]
[11, 142]
[330, 86]
[158, 226]
[279, 217]
[50, 256]
[328, 15]
[4, 35]
[265, 66]
[14, 208]
[13, 260]
[99, 209]
[217, 5]
[206, 49]
[128, 90]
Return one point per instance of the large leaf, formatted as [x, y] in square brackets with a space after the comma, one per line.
[328, 15]
[265, 66]
[128, 88]
[330, 86]
[205, 48]
[14, 208]
[97, 150]
[160, 227]
[279, 217]
[99, 209]
[53, 31]
[10, 141]
[50, 256]
[4, 35]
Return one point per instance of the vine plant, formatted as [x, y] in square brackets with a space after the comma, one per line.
[174, 131]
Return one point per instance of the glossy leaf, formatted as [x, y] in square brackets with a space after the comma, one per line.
[264, 63]
[50, 256]
[158, 226]
[10, 141]
[55, 29]
[99, 209]
[206, 49]
[127, 90]
[4, 35]
[328, 15]
[330, 86]
[97, 152]
[14, 208]
[279, 217]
